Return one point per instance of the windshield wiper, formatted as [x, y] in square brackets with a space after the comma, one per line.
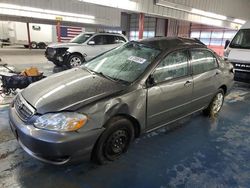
[111, 78]
[91, 72]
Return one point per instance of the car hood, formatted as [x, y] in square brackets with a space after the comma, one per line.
[64, 45]
[69, 90]
[239, 55]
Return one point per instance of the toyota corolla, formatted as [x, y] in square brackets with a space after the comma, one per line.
[96, 110]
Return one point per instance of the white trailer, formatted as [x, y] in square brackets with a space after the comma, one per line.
[17, 33]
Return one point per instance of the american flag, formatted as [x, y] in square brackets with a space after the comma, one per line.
[68, 33]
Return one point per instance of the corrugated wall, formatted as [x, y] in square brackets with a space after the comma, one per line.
[232, 8]
[105, 16]
[178, 28]
[226, 7]
[229, 8]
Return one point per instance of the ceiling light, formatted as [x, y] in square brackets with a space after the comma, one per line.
[240, 21]
[16, 10]
[208, 14]
[123, 4]
[173, 5]
[190, 10]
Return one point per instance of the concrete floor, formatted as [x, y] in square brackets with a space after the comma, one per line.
[199, 152]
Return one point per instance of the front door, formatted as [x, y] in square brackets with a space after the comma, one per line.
[171, 95]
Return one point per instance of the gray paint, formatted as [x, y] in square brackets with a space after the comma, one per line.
[100, 99]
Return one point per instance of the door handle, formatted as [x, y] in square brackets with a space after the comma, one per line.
[188, 83]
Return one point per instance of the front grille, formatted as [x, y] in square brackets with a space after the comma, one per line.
[23, 109]
[245, 67]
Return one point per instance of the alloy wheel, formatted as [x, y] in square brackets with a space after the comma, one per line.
[75, 62]
[218, 102]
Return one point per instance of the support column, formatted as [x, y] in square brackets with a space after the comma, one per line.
[141, 25]
[58, 31]
[28, 31]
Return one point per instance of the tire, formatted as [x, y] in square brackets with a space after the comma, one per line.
[114, 141]
[57, 64]
[33, 45]
[74, 60]
[215, 105]
[41, 45]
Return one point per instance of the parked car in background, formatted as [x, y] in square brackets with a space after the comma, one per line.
[83, 48]
[238, 53]
[99, 108]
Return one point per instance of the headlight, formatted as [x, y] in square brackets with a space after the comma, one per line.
[63, 122]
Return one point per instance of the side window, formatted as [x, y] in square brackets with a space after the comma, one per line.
[202, 61]
[100, 39]
[120, 39]
[174, 65]
[111, 39]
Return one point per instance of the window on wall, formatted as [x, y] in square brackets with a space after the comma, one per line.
[213, 37]
[149, 27]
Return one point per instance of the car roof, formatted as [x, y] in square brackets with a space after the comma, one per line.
[165, 43]
[103, 33]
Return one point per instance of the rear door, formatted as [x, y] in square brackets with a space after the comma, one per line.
[170, 97]
[205, 75]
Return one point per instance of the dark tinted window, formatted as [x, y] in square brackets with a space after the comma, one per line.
[202, 61]
[175, 65]
[100, 40]
[111, 39]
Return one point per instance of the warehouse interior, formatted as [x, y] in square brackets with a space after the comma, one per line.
[57, 39]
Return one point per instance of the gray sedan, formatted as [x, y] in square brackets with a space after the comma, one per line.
[96, 110]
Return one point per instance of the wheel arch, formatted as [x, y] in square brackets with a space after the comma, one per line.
[77, 53]
[133, 120]
[224, 88]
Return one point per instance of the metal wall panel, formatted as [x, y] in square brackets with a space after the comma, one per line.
[104, 16]
[226, 7]
[160, 27]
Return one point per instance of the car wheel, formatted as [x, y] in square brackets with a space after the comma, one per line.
[75, 60]
[216, 104]
[41, 45]
[33, 45]
[114, 141]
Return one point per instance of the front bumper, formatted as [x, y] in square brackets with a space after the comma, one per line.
[242, 76]
[52, 147]
[58, 58]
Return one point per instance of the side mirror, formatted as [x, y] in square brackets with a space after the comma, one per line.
[150, 81]
[226, 44]
[91, 42]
